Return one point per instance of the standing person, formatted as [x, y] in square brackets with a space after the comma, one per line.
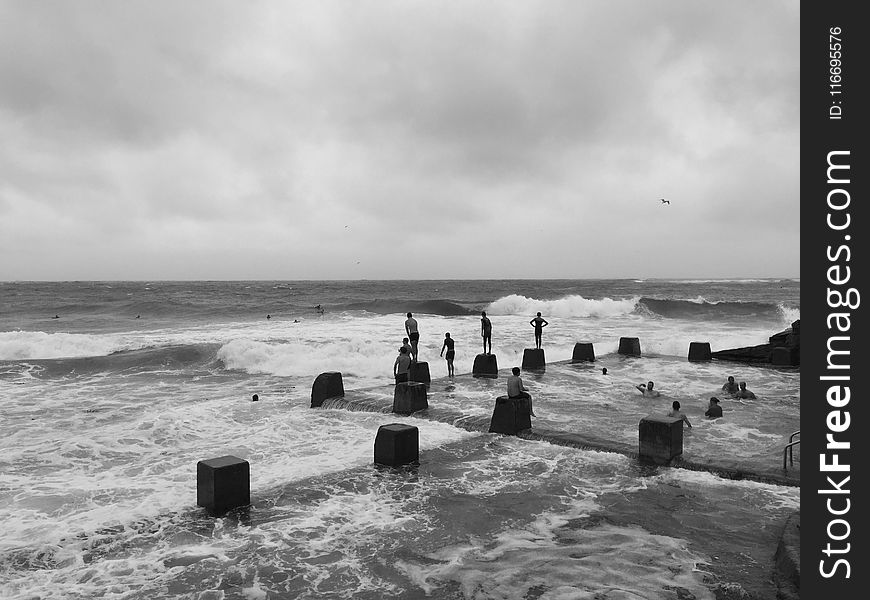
[402, 366]
[448, 344]
[516, 388]
[413, 335]
[538, 323]
[406, 345]
[486, 332]
[675, 412]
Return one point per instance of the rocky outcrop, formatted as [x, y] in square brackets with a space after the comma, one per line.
[782, 349]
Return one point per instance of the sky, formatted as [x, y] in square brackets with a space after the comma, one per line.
[412, 139]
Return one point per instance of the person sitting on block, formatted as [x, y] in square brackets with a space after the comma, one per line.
[516, 389]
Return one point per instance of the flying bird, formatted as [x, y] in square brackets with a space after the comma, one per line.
[665, 201]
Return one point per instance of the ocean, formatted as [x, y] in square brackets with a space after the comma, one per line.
[113, 391]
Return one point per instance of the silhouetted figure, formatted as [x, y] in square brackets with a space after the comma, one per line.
[486, 332]
[448, 344]
[413, 335]
[255, 398]
[538, 323]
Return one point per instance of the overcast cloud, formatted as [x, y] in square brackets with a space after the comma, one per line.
[408, 139]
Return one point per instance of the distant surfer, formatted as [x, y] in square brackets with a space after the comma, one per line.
[55, 317]
[255, 398]
[486, 332]
[319, 309]
[137, 316]
[665, 201]
[413, 335]
[604, 370]
[268, 317]
[538, 323]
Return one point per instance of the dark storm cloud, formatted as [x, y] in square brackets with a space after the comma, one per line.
[258, 131]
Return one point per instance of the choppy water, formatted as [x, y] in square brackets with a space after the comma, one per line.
[105, 416]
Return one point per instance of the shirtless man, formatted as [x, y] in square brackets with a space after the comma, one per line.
[413, 335]
[675, 412]
[486, 332]
[647, 390]
[730, 386]
[744, 393]
[538, 323]
[516, 388]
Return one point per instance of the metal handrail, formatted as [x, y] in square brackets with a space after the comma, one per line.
[791, 437]
[788, 451]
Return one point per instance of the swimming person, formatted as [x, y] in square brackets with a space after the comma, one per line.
[647, 389]
[402, 366]
[255, 398]
[675, 412]
[538, 323]
[486, 332]
[714, 411]
[604, 370]
[730, 386]
[413, 335]
[448, 343]
[516, 389]
[744, 393]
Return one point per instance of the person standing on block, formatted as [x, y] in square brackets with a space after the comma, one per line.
[538, 323]
[402, 366]
[486, 332]
[413, 335]
[516, 389]
[448, 344]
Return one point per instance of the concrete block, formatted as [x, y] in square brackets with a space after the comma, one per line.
[419, 372]
[583, 351]
[326, 385]
[397, 444]
[223, 483]
[409, 397]
[700, 351]
[485, 365]
[533, 358]
[629, 346]
[660, 439]
[510, 415]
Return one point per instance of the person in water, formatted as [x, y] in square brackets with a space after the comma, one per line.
[647, 389]
[255, 398]
[486, 332]
[744, 393]
[538, 323]
[402, 366]
[413, 335]
[448, 344]
[516, 389]
[675, 413]
[714, 411]
[730, 386]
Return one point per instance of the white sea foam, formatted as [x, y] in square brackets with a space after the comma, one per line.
[29, 345]
[569, 306]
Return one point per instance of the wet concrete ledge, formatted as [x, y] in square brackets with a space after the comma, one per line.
[360, 401]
